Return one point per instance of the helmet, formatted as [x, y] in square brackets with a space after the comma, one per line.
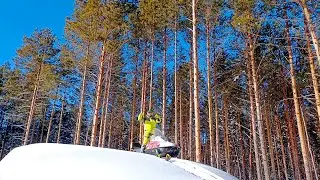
[150, 113]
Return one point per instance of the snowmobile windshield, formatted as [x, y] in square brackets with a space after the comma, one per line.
[158, 133]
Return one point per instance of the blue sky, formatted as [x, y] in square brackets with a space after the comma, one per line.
[20, 18]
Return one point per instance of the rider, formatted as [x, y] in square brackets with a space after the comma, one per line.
[150, 122]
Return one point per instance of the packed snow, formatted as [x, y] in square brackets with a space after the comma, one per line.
[65, 162]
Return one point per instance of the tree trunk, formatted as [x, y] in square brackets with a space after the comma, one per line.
[313, 72]
[42, 121]
[279, 135]
[164, 83]
[4, 141]
[269, 138]
[311, 28]
[302, 135]
[211, 133]
[83, 88]
[250, 153]
[32, 106]
[110, 130]
[190, 111]
[87, 134]
[103, 111]
[196, 82]
[291, 133]
[133, 111]
[277, 162]
[103, 140]
[181, 125]
[312, 162]
[104, 104]
[151, 75]
[294, 146]
[258, 110]
[143, 95]
[33, 131]
[98, 97]
[226, 133]
[241, 143]
[175, 87]
[253, 122]
[50, 122]
[60, 121]
[216, 115]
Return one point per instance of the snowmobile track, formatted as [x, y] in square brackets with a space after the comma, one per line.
[194, 169]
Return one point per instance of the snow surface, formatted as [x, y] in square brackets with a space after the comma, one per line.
[67, 162]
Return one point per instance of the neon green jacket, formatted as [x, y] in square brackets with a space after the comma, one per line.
[150, 124]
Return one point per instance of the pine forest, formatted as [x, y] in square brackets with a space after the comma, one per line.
[236, 82]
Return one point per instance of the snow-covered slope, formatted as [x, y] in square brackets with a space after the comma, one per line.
[67, 162]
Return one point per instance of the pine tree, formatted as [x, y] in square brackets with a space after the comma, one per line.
[36, 58]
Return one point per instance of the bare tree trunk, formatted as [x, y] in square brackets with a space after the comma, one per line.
[42, 124]
[291, 133]
[250, 153]
[50, 122]
[175, 87]
[32, 133]
[32, 106]
[164, 83]
[313, 72]
[104, 104]
[253, 122]
[302, 135]
[216, 115]
[181, 125]
[279, 135]
[211, 133]
[83, 88]
[311, 28]
[196, 82]
[98, 97]
[103, 140]
[134, 102]
[241, 143]
[143, 95]
[60, 121]
[133, 111]
[226, 133]
[101, 122]
[269, 138]
[312, 162]
[151, 74]
[4, 141]
[110, 130]
[190, 111]
[258, 110]
[278, 165]
[87, 134]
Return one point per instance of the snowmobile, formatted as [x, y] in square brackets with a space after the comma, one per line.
[159, 146]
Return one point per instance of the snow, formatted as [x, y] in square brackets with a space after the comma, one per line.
[64, 162]
[201, 170]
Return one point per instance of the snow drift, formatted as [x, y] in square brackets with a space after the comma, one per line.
[66, 162]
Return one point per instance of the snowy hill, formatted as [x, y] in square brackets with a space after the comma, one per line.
[67, 162]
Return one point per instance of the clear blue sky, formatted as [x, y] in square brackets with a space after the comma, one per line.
[21, 17]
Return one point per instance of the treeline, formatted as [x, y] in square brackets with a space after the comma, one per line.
[236, 82]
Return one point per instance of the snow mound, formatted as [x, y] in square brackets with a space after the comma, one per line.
[65, 162]
[201, 170]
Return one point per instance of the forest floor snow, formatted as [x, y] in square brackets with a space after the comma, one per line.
[64, 162]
